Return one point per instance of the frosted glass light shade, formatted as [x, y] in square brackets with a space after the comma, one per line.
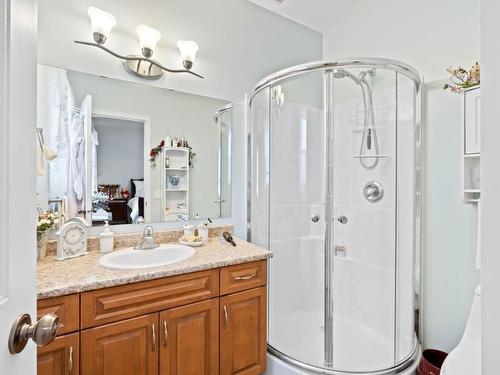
[188, 50]
[148, 37]
[101, 22]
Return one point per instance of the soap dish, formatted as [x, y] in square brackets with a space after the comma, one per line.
[182, 241]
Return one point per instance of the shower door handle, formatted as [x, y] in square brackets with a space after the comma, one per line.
[315, 218]
[342, 219]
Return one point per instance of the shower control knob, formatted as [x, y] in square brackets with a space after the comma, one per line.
[342, 219]
[315, 218]
[373, 191]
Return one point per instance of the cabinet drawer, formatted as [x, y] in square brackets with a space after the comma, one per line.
[67, 308]
[60, 357]
[243, 276]
[121, 302]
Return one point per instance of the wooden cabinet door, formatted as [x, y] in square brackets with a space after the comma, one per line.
[190, 339]
[243, 333]
[60, 357]
[129, 347]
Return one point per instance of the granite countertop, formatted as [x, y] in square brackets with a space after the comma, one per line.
[57, 278]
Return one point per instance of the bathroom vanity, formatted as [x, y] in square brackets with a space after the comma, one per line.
[204, 315]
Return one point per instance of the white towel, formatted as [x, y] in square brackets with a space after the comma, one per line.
[478, 249]
[40, 163]
[133, 203]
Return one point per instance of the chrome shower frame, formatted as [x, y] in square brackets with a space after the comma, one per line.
[366, 63]
[412, 360]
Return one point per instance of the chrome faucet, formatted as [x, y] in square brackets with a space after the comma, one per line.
[148, 240]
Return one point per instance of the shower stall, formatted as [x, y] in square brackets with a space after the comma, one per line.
[334, 193]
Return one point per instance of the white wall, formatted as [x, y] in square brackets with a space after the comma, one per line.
[429, 35]
[450, 227]
[490, 185]
[120, 151]
[240, 42]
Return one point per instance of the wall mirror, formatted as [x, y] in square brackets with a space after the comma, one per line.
[127, 153]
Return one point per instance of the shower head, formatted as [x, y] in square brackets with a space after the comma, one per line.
[341, 73]
[370, 73]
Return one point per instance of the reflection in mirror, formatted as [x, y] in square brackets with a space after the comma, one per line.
[223, 118]
[123, 152]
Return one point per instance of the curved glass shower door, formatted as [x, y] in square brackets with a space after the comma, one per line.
[297, 218]
[335, 196]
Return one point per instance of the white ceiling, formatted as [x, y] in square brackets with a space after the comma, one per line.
[319, 15]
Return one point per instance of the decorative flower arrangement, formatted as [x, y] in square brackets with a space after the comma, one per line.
[45, 222]
[192, 155]
[155, 151]
[461, 79]
[100, 199]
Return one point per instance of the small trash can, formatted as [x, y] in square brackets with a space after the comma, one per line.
[431, 362]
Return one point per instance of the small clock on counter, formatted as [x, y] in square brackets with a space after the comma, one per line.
[72, 239]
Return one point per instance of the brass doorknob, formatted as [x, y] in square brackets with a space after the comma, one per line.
[43, 332]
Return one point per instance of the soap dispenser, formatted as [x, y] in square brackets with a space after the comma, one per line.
[203, 230]
[106, 239]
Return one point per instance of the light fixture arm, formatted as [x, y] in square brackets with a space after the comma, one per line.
[138, 58]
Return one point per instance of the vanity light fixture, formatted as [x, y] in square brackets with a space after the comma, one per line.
[144, 66]
[188, 50]
[148, 39]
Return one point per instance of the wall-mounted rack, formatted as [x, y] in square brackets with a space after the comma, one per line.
[175, 197]
[471, 144]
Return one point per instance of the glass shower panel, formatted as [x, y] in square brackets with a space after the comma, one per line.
[409, 201]
[364, 212]
[297, 225]
[258, 210]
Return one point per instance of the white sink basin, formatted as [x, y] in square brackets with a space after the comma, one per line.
[129, 259]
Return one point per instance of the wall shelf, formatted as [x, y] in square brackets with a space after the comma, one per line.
[178, 165]
[471, 145]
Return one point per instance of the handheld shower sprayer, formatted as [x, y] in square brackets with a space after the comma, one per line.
[369, 142]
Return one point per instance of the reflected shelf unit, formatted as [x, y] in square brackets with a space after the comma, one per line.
[471, 144]
[175, 197]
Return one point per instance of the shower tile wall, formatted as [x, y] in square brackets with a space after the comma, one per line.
[368, 236]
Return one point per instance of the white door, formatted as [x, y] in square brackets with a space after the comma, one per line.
[18, 57]
[86, 110]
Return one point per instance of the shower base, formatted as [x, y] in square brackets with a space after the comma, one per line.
[279, 364]
[355, 336]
